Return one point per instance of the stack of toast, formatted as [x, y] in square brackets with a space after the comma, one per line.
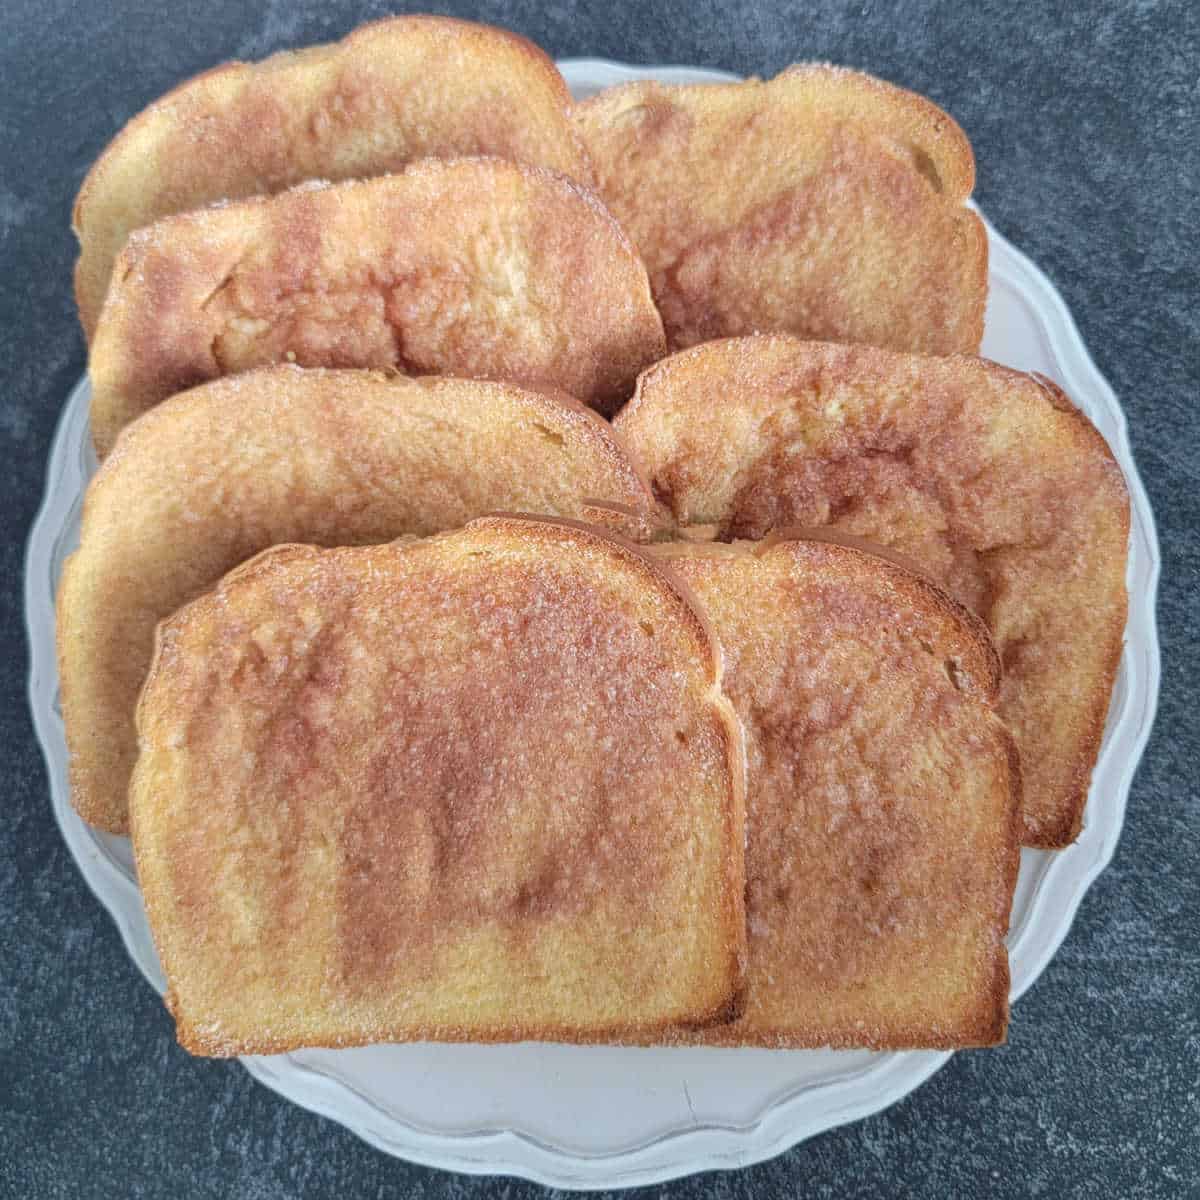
[561, 571]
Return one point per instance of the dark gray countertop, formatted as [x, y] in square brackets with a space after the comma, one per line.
[1087, 130]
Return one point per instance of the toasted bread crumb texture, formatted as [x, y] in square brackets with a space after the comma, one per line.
[989, 479]
[883, 821]
[473, 267]
[391, 92]
[824, 203]
[474, 787]
[287, 455]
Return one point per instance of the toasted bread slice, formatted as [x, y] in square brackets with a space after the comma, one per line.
[988, 479]
[287, 455]
[474, 267]
[480, 787]
[883, 799]
[393, 91]
[824, 203]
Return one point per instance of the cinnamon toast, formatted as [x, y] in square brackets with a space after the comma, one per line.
[883, 808]
[824, 203]
[483, 786]
[473, 267]
[287, 455]
[988, 479]
[393, 91]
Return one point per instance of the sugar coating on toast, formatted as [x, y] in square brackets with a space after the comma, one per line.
[883, 812]
[824, 203]
[481, 787]
[393, 91]
[473, 267]
[990, 480]
[287, 455]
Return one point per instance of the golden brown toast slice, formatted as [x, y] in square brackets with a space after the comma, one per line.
[480, 787]
[287, 455]
[823, 202]
[473, 267]
[988, 479]
[883, 799]
[393, 91]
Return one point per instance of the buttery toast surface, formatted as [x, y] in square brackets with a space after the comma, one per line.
[824, 203]
[287, 455]
[472, 267]
[988, 479]
[392, 91]
[481, 787]
[883, 807]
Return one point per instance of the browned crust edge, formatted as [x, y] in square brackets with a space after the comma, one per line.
[128, 259]
[552, 532]
[1056, 835]
[977, 268]
[648, 1035]
[987, 668]
[945, 132]
[64, 617]
[560, 408]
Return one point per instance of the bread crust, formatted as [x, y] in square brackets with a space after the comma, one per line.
[584, 549]
[989, 479]
[1061, 829]
[823, 202]
[239, 129]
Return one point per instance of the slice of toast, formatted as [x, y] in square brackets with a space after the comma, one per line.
[824, 203]
[883, 805]
[474, 267]
[287, 455]
[480, 787]
[393, 91]
[988, 479]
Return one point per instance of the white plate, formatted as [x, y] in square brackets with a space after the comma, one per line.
[591, 1117]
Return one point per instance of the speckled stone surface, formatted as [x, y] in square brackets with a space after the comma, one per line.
[1086, 126]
